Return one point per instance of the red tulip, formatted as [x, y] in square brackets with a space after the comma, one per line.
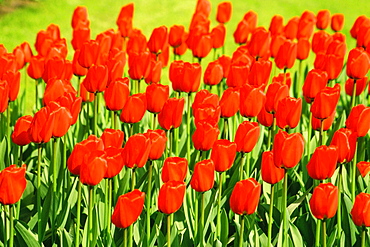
[186, 77]
[41, 127]
[276, 91]
[286, 56]
[136, 151]
[230, 102]
[27, 51]
[259, 46]
[114, 159]
[238, 75]
[128, 208]
[171, 196]
[80, 36]
[242, 32]
[324, 201]
[291, 28]
[20, 133]
[276, 42]
[337, 22]
[158, 141]
[158, 39]
[203, 176]
[19, 57]
[223, 154]
[361, 210]
[77, 69]
[288, 149]
[326, 123]
[94, 168]
[323, 19]
[155, 70]
[359, 120]
[364, 168]
[358, 63]
[276, 25]
[363, 35]
[223, 12]
[264, 118]
[357, 25]
[288, 112]
[36, 67]
[323, 162]
[270, 173]
[171, 114]
[124, 20]
[88, 54]
[156, 97]
[57, 88]
[134, 108]
[62, 119]
[12, 184]
[303, 48]
[360, 86]
[306, 25]
[202, 45]
[213, 74]
[116, 94]
[207, 113]
[218, 36]
[245, 196]
[96, 79]
[112, 138]
[204, 97]
[14, 80]
[225, 62]
[175, 38]
[137, 45]
[246, 136]
[251, 101]
[57, 68]
[79, 17]
[345, 140]
[325, 102]
[283, 78]
[315, 81]
[260, 73]
[138, 64]
[174, 168]
[204, 136]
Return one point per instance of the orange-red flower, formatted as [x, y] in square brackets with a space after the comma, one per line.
[324, 201]
[41, 127]
[345, 140]
[287, 55]
[230, 102]
[156, 97]
[214, 73]
[259, 46]
[260, 73]
[158, 141]
[112, 138]
[94, 167]
[203, 176]
[124, 20]
[218, 34]
[96, 78]
[288, 149]
[252, 100]
[246, 136]
[174, 168]
[270, 173]
[288, 112]
[315, 81]
[171, 114]
[358, 63]
[359, 120]
[323, 19]
[303, 48]
[157, 40]
[205, 136]
[238, 75]
[171, 196]
[136, 151]
[223, 12]
[361, 210]
[223, 154]
[134, 109]
[325, 102]
[323, 162]
[363, 167]
[138, 65]
[245, 196]
[360, 86]
[116, 94]
[276, 91]
[12, 184]
[337, 22]
[175, 38]
[20, 133]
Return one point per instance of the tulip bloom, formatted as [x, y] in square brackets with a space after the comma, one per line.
[326, 123]
[62, 119]
[203, 176]
[136, 151]
[202, 45]
[158, 141]
[323, 19]
[251, 101]
[96, 78]
[171, 196]
[185, 77]
[287, 55]
[260, 73]
[36, 67]
[20, 134]
[112, 138]
[361, 210]
[288, 149]
[359, 120]
[171, 114]
[259, 46]
[223, 12]
[174, 168]
[337, 22]
[246, 136]
[175, 35]
[315, 81]
[41, 128]
[128, 208]
[270, 173]
[276, 91]
[358, 63]
[230, 102]
[204, 136]
[158, 39]
[245, 196]
[94, 168]
[265, 118]
[156, 97]
[324, 201]
[134, 109]
[116, 94]
[223, 154]
[360, 86]
[364, 168]
[213, 74]
[138, 65]
[303, 48]
[345, 140]
[124, 20]
[288, 112]
[12, 184]
[238, 75]
[291, 28]
[323, 162]
[325, 102]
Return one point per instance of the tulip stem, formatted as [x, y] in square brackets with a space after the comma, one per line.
[36, 93]
[247, 166]
[339, 212]
[169, 230]
[11, 219]
[95, 114]
[242, 161]
[108, 201]
[363, 236]
[353, 98]
[8, 132]
[324, 233]
[131, 130]
[285, 190]
[20, 158]
[188, 119]
[130, 228]
[226, 126]
[218, 226]
[269, 229]
[77, 237]
[176, 141]
[5, 232]
[154, 121]
[354, 170]
[241, 231]
[55, 147]
[148, 201]
[318, 229]
[91, 205]
[38, 194]
[201, 225]
[170, 139]
[321, 132]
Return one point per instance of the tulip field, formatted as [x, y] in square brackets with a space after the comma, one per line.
[210, 131]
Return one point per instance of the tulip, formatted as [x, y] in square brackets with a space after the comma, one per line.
[345, 140]
[156, 97]
[315, 81]
[12, 184]
[4, 95]
[223, 12]
[286, 56]
[96, 79]
[245, 196]
[259, 46]
[112, 138]
[80, 36]
[36, 67]
[136, 151]
[363, 35]
[116, 94]
[85, 95]
[358, 63]
[190, 77]
[246, 136]
[158, 141]
[242, 32]
[363, 167]
[174, 168]
[276, 25]
[218, 36]
[213, 74]
[154, 74]
[361, 210]
[134, 108]
[264, 118]
[303, 48]
[124, 20]
[223, 154]
[57, 68]
[113, 156]
[225, 62]
[260, 73]
[88, 54]
[171, 196]
[359, 120]
[360, 86]
[323, 162]
[288, 112]
[137, 45]
[94, 168]
[324, 201]
[306, 25]
[204, 97]
[13, 79]
[72, 103]
[171, 114]
[283, 78]
[325, 102]
[270, 173]
[323, 19]
[230, 102]
[77, 69]
[251, 101]
[276, 42]
[203, 176]
[62, 119]
[203, 44]
[337, 22]
[57, 88]
[80, 16]
[238, 75]
[276, 91]
[357, 25]
[20, 133]
[128, 208]
[288, 149]
[204, 136]
[326, 123]
[175, 35]
[138, 64]
[291, 28]
[41, 127]
[157, 40]
[207, 113]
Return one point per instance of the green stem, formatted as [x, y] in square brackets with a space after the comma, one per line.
[269, 229]
[95, 116]
[38, 194]
[125, 237]
[353, 98]
[115, 123]
[154, 121]
[188, 121]
[8, 130]
[309, 133]
[363, 237]
[318, 229]
[131, 130]
[354, 169]
[11, 219]
[5, 233]
[339, 212]
[112, 115]
[36, 93]
[242, 161]
[169, 230]
[218, 226]
[201, 225]
[108, 198]
[170, 139]
[130, 228]
[248, 164]
[20, 158]
[78, 220]
[285, 191]
[324, 233]
[55, 147]
[110, 193]
[226, 126]
[91, 205]
[148, 201]
[321, 132]
[241, 231]
[196, 216]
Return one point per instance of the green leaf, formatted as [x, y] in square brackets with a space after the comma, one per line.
[296, 235]
[24, 235]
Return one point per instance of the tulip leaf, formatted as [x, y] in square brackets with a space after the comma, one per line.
[296, 235]
[24, 235]
[65, 238]
[224, 227]
[293, 206]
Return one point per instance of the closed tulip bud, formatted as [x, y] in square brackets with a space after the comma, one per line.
[260, 73]
[238, 75]
[276, 91]
[191, 77]
[213, 74]
[223, 12]
[288, 149]
[245, 196]
[287, 55]
[88, 54]
[288, 112]
[207, 113]
[13, 79]
[116, 94]
[136, 151]
[203, 45]
[323, 162]
[246, 136]
[36, 67]
[94, 168]
[138, 64]
[364, 168]
[303, 48]
[242, 32]
[204, 97]
[218, 36]
[358, 63]
[171, 114]
[276, 25]
[291, 28]
[174, 169]
[175, 35]
[359, 120]
[223, 154]
[41, 128]
[270, 173]
[112, 138]
[128, 208]
[77, 69]
[96, 79]
[57, 68]
[306, 25]
[171, 196]
[259, 46]
[157, 40]
[360, 86]
[203, 176]
[264, 118]
[276, 42]
[57, 88]
[315, 81]
[79, 16]
[124, 20]
[156, 97]
[337, 22]
[80, 36]
[345, 140]
[363, 35]
[114, 159]
[251, 101]
[205, 135]
[358, 24]
[62, 119]
[225, 62]
[361, 210]
[134, 109]
[325, 102]
[154, 72]
[230, 102]
[12, 184]
[324, 201]
[158, 141]
[20, 133]
[326, 123]
[323, 19]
